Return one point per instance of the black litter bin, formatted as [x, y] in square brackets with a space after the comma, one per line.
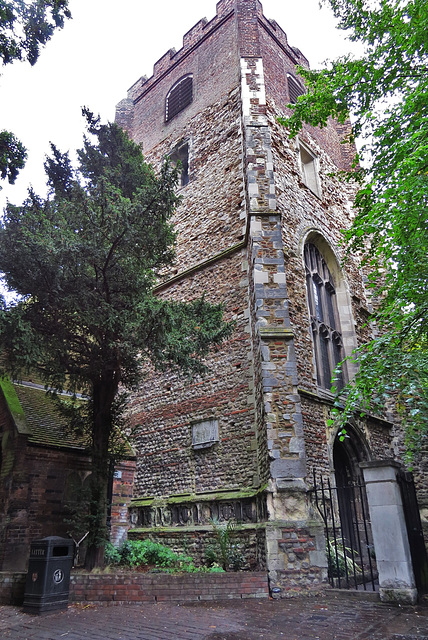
[48, 578]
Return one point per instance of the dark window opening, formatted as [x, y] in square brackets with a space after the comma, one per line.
[325, 323]
[180, 155]
[295, 89]
[179, 97]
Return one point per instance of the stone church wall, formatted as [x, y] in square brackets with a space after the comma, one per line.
[171, 404]
[244, 218]
[208, 221]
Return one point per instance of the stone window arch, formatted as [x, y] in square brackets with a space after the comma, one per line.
[351, 493]
[330, 313]
[179, 97]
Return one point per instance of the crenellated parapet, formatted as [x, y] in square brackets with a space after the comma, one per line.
[250, 15]
[280, 37]
[195, 36]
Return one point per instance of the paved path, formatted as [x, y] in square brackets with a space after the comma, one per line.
[297, 619]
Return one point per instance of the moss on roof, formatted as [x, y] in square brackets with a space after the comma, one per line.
[47, 426]
[11, 397]
[14, 405]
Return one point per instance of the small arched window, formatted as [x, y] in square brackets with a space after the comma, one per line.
[181, 154]
[324, 315]
[295, 89]
[179, 97]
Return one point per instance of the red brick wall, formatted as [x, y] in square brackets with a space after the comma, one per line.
[136, 587]
[33, 503]
[133, 588]
[13, 488]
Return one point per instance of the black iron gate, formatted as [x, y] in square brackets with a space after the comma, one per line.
[414, 530]
[349, 543]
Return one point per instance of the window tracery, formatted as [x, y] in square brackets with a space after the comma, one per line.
[324, 315]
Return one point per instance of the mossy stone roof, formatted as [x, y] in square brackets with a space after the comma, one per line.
[44, 423]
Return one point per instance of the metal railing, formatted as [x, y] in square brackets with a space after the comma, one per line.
[349, 543]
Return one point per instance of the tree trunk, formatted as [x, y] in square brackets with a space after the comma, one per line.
[104, 393]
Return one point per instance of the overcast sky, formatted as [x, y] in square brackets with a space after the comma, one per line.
[103, 50]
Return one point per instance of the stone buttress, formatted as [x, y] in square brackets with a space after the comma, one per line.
[295, 544]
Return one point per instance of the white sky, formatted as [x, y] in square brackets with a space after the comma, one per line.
[103, 50]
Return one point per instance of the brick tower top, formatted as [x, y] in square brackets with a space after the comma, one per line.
[249, 16]
[208, 67]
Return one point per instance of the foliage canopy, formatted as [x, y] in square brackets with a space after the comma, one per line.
[24, 28]
[385, 91]
[84, 262]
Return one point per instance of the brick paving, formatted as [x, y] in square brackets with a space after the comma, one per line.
[320, 618]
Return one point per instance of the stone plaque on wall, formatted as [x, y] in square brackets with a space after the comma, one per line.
[204, 434]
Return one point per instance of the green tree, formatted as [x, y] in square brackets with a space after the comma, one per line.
[385, 92]
[24, 28]
[12, 156]
[84, 262]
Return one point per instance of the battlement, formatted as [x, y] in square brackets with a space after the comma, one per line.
[274, 29]
[225, 9]
[194, 34]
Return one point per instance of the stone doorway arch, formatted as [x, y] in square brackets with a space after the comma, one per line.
[351, 493]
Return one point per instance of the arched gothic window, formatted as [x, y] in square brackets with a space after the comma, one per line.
[179, 96]
[324, 314]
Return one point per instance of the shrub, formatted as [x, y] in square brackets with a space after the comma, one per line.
[111, 554]
[341, 560]
[224, 552]
[139, 553]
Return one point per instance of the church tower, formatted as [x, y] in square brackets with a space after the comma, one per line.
[259, 230]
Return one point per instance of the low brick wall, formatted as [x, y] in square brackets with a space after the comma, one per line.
[12, 586]
[159, 587]
[133, 588]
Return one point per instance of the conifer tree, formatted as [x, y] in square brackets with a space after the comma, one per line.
[84, 263]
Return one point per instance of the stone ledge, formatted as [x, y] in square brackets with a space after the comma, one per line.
[276, 333]
[200, 266]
